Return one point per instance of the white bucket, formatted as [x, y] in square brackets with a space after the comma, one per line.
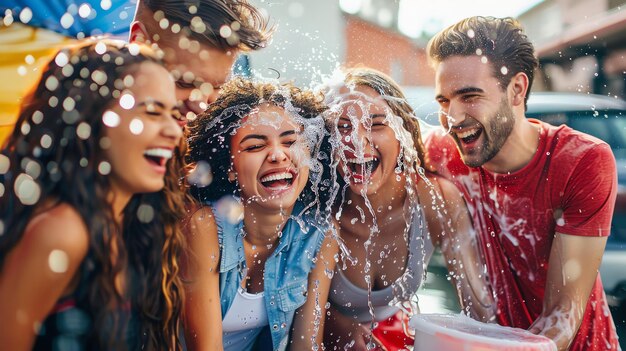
[456, 332]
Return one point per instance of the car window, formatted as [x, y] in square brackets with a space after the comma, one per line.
[609, 126]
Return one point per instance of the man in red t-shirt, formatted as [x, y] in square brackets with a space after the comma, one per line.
[541, 197]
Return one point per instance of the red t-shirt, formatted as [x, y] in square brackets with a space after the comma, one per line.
[569, 187]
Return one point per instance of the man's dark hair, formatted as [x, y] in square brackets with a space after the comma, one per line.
[246, 26]
[501, 40]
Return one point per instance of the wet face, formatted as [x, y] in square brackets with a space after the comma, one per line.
[269, 159]
[199, 71]
[143, 131]
[474, 108]
[369, 147]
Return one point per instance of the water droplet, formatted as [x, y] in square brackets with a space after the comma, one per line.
[61, 59]
[127, 101]
[136, 126]
[197, 25]
[5, 163]
[69, 104]
[46, 141]
[84, 10]
[225, 31]
[25, 129]
[105, 4]
[201, 175]
[67, 20]
[83, 130]
[104, 168]
[99, 77]
[110, 119]
[58, 261]
[32, 168]
[145, 213]
[101, 48]
[26, 15]
[26, 189]
[52, 83]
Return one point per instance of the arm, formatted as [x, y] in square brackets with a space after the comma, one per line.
[587, 204]
[38, 271]
[451, 229]
[573, 269]
[308, 325]
[203, 314]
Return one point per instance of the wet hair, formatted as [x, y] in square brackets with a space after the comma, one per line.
[391, 92]
[501, 40]
[66, 172]
[202, 20]
[211, 132]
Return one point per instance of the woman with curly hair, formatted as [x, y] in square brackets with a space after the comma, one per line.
[259, 268]
[391, 214]
[88, 208]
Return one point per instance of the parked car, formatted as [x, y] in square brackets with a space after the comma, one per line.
[601, 116]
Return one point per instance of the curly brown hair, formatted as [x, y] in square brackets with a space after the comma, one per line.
[210, 133]
[149, 252]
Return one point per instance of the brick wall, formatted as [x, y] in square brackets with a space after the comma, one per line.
[387, 51]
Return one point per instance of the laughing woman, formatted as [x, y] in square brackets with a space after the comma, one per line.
[88, 211]
[391, 216]
[259, 280]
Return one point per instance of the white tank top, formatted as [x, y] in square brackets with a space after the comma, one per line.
[246, 312]
[351, 300]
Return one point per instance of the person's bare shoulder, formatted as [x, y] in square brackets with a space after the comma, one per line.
[58, 228]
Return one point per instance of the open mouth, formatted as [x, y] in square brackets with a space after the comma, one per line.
[158, 156]
[362, 167]
[278, 180]
[469, 136]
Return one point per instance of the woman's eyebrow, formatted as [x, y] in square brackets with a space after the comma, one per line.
[289, 132]
[253, 136]
[152, 102]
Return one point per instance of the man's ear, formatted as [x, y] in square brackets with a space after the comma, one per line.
[138, 33]
[519, 83]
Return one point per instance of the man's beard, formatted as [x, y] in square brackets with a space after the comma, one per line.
[499, 127]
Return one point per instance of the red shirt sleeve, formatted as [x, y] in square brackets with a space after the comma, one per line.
[589, 196]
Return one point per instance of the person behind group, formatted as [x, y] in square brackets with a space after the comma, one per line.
[541, 196]
[89, 225]
[390, 214]
[261, 279]
[200, 41]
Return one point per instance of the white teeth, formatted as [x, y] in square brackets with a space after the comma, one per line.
[277, 176]
[159, 152]
[361, 160]
[467, 133]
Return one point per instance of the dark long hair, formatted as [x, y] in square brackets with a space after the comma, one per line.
[64, 169]
[210, 137]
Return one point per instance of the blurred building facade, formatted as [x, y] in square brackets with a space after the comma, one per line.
[581, 45]
[315, 37]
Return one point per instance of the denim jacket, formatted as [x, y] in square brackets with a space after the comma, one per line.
[286, 270]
